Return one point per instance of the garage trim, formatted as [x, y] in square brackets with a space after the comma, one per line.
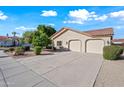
[91, 39]
[75, 40]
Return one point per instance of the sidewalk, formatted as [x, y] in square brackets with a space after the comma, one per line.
[111, 74]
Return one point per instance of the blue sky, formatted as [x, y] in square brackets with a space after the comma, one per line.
[83, 18]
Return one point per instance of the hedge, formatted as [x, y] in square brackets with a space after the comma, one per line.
[112, 52]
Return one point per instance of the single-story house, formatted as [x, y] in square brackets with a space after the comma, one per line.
[82, 41]
[7, 41]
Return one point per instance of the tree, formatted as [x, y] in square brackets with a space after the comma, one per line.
[14, 34]
[27, 36]
[50, 31]
[40, 39]
[13, 39]
[45, 32]
[21, 40]
[46, 29]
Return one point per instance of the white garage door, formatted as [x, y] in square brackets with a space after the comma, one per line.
[95, 46]
[75, 46]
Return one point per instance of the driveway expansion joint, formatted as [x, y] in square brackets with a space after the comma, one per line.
[98, 74]
[42, 80]
[4, 78]
[61, 65]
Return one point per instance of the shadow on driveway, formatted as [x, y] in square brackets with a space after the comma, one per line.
[3, 56]
[122, 57]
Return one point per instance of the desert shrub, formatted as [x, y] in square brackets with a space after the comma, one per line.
[37, 50]
[11, 49]
[6, 50]
[112, 52]
[19, 51]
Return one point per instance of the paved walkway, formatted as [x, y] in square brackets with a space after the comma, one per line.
[61, 69]
[111, 74]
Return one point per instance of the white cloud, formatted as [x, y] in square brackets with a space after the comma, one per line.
[81, 16]
[117, 14]
[73, 21]
[3, 16]
[23, 28]
[119, 27]
[49, 13]
[101, 18]
[51, 24]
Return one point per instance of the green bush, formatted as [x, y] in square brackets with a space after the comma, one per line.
[37, 50]
[19, 51]
[6, 50]
[11, 49]
[112, 52]
[121, 51]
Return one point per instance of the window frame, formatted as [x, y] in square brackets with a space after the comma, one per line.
[59, 43]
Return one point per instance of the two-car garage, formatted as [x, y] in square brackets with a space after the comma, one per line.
[91, 46]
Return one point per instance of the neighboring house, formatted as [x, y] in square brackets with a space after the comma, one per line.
[118, 42]
[86, 42]
[7, 41]
[2, 40]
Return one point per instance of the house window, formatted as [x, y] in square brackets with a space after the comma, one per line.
[59, 43]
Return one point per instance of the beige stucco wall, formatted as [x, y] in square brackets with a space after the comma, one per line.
[71, 35]
[106, 39]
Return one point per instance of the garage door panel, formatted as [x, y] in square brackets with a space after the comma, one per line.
[75, 46]
[95, 46]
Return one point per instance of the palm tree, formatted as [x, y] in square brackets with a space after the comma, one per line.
[14, 42]
[14, 34]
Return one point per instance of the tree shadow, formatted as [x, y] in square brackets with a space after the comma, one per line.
[3, 56]
[47, 54]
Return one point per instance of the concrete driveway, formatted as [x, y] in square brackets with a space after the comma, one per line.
[63, 69]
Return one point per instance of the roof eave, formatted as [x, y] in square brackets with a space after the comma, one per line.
[83, 33]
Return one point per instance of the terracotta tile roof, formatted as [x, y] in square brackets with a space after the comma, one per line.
[3, 37]
[118, 40]
[91, 33]
[55, 34]
[100, 32]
